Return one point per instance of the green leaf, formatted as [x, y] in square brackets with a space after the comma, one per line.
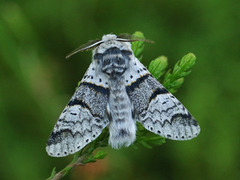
[138, 46]
[175, 78]
[102, 140]
[157, 67]
[146, 138]
[145, 144]
[52, 173]
[156, 140]
[90, 159]
[100, 155]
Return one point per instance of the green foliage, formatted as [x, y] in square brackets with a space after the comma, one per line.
[53, 173]
[138, 46]
[145, 138]
[157, 67]
[173, 80]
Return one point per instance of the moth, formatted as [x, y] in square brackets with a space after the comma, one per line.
[115, 92]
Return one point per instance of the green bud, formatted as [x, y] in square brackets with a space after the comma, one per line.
[157, 67]
[188, 61]
[172, 81]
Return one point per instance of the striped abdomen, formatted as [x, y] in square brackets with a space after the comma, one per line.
[122, 127]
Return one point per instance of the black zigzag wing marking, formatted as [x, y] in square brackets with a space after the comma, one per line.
[81, 122]
[159, 111]
[142, 91]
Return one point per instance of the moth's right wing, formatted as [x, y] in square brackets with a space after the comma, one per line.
[157, 109]
[84, 118]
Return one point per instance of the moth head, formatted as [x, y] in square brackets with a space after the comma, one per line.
[107, 39]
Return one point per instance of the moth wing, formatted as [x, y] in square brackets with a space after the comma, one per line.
[157, 109]
[84, 118]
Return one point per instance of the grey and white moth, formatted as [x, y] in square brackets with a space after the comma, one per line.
[116, 91]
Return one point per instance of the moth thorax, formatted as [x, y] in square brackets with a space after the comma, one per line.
[114, 62]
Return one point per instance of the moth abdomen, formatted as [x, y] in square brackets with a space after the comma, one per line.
[122, 127]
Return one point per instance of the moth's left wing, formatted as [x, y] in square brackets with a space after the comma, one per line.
[84, 118]
[157, 109]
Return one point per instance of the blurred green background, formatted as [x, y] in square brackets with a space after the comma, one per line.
[37, 82]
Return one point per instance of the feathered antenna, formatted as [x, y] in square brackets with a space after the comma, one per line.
[92, 44]
[85, 47]
[131, 38]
